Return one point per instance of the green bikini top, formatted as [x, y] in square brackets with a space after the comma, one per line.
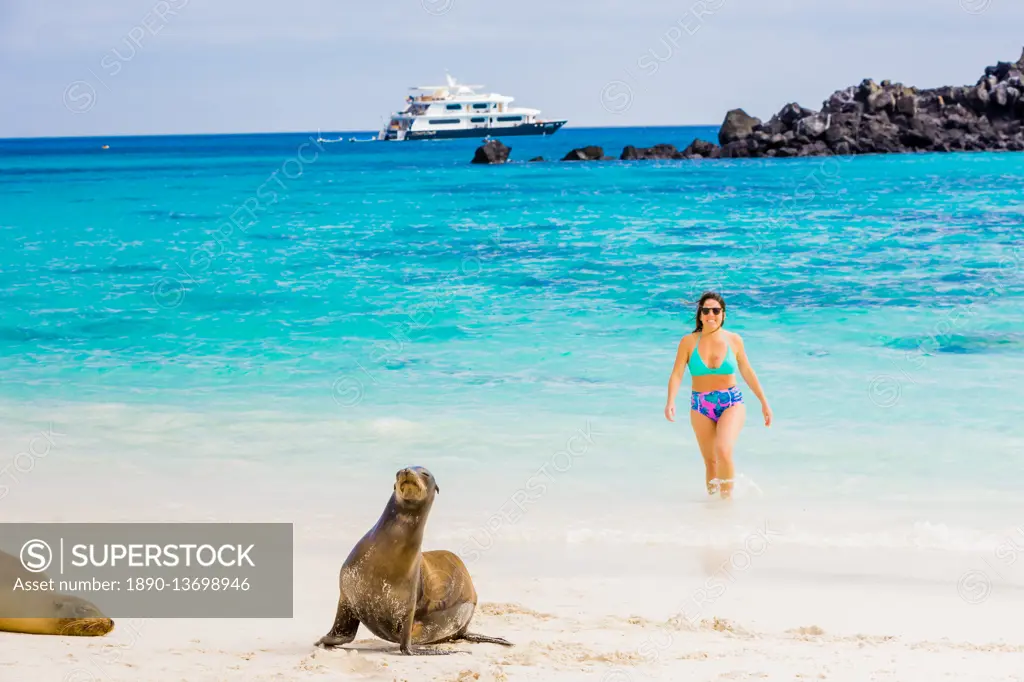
[698, 368]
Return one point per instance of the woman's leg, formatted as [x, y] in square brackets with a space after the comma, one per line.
[704, 429]
[729, 426]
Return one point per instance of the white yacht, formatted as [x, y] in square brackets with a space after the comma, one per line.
[457, 110]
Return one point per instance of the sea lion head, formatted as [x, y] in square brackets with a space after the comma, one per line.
[80, 618]
[415, 487]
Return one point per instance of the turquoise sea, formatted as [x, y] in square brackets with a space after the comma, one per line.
[357, 306]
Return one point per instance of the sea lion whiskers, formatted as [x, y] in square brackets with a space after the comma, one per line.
[411, 486]
[84, 627]
[101, 626]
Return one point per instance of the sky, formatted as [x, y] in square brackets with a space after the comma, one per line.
[134, 67]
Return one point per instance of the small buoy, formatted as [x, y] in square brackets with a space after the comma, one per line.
[106, 146]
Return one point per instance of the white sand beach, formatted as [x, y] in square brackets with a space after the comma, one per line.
[560, 644]
[591, 608]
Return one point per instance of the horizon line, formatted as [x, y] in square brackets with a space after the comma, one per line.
[319, 131]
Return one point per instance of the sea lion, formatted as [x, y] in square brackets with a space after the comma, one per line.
[23, 611]
[399, 593]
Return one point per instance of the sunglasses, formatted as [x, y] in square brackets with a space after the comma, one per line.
[711, 311]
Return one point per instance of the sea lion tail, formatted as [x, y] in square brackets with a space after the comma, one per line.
[486, 639]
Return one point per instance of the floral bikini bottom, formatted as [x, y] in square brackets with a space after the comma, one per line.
[712, 404]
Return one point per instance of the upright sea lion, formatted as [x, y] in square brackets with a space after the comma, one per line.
[44, 612]
[399, 593]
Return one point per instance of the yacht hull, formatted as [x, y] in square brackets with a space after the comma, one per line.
[545, 128]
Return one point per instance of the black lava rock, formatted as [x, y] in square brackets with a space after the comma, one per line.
[589, 153]
[890, 118]
[492, 151]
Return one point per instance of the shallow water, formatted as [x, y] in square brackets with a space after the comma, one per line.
[376, 305]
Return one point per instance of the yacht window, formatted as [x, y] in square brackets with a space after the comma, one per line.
[510, 118]
[478, 119]
[443, 121]
[454, 107]
[480, 106]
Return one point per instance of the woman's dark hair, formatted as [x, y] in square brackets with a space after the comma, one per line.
[714, 296]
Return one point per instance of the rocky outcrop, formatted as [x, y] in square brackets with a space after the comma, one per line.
[658, 151]
[701, 149]
[738, 125]
[492, 151]
[537, 158]
[868, 118]
[886, 117]
[591, 153]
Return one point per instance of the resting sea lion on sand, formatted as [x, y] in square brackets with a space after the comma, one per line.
[400, 594]
[41, 612]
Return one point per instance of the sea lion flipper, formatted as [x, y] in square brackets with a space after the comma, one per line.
[424, 651]
[414, 630]
[344, 629]
[486, 639]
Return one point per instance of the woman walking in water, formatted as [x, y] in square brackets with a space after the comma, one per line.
[717, 411]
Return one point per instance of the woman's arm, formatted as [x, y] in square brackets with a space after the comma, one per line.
[749, 376]
[676, 377]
